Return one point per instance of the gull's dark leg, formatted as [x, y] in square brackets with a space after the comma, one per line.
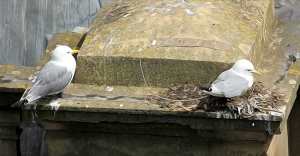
[60, 95]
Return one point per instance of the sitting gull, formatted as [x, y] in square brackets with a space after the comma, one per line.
[234, 81]
[54, 77]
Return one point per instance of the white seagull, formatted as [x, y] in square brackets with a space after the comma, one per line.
[234, 81]
[54, 77]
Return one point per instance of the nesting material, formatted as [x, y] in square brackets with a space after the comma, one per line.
[188, 97]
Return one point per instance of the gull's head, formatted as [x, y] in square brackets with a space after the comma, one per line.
[62, 52]
[244, 67]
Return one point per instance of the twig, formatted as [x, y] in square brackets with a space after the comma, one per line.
[160, 96]
[251, 91]
[189, 99]
[194, 89]
[184, 107]
[268, 109]
[146, 81]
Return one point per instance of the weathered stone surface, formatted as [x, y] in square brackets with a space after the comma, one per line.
[67, 143]
[282, 74]
[80, 98]
[14, 78]
[277, 66]
[9, 121]
[146, 116]
[8, 147]
[221, 148]
[287, 9]
[113, 138]
[176, 41]
[151, 128]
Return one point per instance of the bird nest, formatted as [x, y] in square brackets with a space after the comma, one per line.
[189, 97]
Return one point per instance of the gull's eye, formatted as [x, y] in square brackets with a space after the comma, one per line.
[249, 70]
[69, 52]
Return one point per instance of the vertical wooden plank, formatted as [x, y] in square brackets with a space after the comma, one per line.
[24, 25]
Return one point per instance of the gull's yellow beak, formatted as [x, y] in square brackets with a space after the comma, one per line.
[256, 72]
[75, 51]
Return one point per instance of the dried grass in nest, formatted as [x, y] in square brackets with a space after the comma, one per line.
[185, 96]
[256, 99]
[189, 97]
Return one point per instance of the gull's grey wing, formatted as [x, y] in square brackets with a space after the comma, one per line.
[223, 76]
[52, 79]
[231, 84]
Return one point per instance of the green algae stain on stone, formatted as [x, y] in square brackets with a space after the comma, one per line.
[128, 72]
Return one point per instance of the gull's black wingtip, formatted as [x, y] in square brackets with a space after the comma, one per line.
[204, 88]
[19, 103]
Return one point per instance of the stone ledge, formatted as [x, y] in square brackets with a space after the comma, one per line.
[14, 78]
[128, 100]
[196, 123]
[152, 128]
[94, 104]
[278, 70]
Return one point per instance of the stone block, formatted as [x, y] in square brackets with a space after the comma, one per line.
[9, 122]
[65, 143]
[174, 42]
[8, 147]
[231, 148]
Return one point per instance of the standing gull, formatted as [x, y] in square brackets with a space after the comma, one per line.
[234, 81]
[54, 77]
